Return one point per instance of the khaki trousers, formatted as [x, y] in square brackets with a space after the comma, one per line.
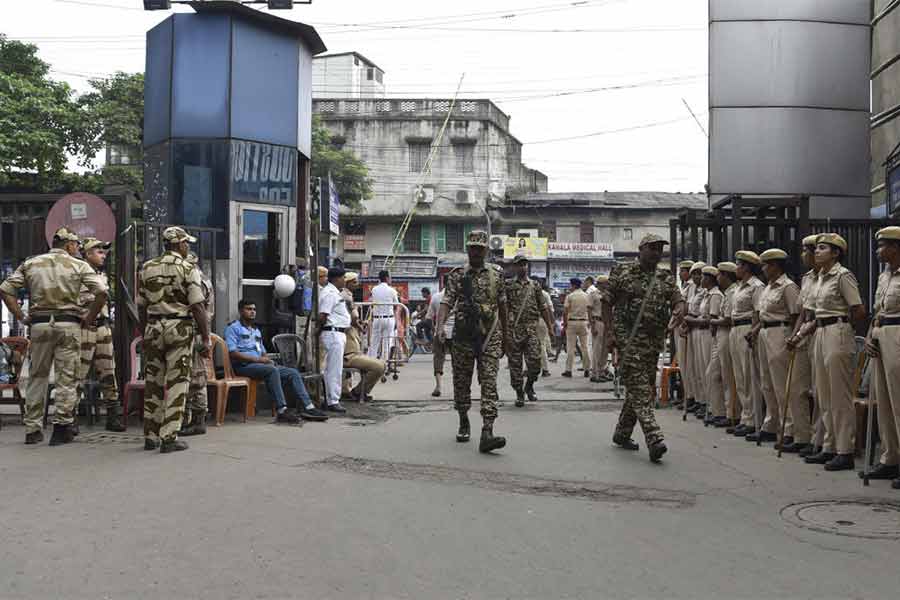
[886, 373]
[741, 357]
[680, 349]
[775, 359]
[598, 352]
[771, 356]
[834, 352]
[714, 386]
[56, 345]
[723, 347]
[372, 367]
[702, 345]
[577, 330]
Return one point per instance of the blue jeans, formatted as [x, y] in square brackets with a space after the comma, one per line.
[276, 376]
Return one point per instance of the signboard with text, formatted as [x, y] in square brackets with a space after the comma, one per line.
[262, 173]
[580, 250]
[355, 243]
[533, 248]
[562, 272]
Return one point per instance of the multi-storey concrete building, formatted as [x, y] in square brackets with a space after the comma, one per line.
[346, 75]
[886, 104]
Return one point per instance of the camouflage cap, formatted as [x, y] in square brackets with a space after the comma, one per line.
[652, 238]
[747, 256]
[520, 257]
[175, 235]
[773, 254]
[91, 243]
[832, 239]
[728, 267]
[698, 266]
[477, 238]
[686, 264]
[810, 240]
[66, 234]
[888, 233]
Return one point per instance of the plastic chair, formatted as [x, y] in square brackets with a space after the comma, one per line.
[20, 345]
[135, 382]
[228, 382]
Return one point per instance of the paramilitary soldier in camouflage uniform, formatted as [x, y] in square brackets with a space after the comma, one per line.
[197, 405]
[54, 282]
[97, 341]
[170, 302]
[477, 297]
[526, 308]
[639, 302]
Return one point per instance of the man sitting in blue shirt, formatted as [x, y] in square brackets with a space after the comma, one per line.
[249, 359]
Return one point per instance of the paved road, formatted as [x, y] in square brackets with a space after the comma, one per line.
[384, 504]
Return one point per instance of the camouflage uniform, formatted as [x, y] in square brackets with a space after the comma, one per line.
[54, 282]
[628, 286]
[526, 302]
[197, 404]
[488, 293]
[169, 285]
[97, 348]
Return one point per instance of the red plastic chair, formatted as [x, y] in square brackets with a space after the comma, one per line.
[134, 384]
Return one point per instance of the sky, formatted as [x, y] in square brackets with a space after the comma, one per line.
[597, 90]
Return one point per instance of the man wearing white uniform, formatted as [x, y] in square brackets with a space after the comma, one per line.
[384, 299]
[334, 320]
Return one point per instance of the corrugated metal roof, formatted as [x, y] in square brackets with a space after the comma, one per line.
[632, 200]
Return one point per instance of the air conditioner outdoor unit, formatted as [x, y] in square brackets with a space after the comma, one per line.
[464, 197]
[424, 195]
[528, 233]
[497, 242]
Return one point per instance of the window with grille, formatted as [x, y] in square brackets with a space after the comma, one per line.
[627, 234]
[418, 155]
[468, 106]
[455, 238]
[412, 243]
[441, 106]
[587, 232]
[408, 105]
[327, 106]
[383, 106]
[465, 157]
[370, 74]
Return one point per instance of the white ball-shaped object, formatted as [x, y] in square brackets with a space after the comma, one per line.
[284, 286]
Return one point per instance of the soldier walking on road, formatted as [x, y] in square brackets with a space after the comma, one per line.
[639, 302]
[171, 304]
[54, 282]
[476, 296]
[526, 309]
[197, 405]
[97, 340]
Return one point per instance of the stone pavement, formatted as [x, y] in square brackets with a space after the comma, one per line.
[384, 504]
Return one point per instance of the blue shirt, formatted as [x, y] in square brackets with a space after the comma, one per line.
[245, 340]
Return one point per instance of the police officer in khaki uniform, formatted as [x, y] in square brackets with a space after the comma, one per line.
[687, 288]
[695, 362]
[743, 357]
[837, 305]
[727, 280]
[575, 321]
[354, 357]
[711, 311]
[598, 330]
[54, 282]
[883, 346]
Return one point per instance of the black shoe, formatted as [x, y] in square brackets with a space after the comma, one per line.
[35, 437]
[896, 484]
[529, 391]
[809, 450]
[74, 428]
[819, 459]
[114, 423]
[436, 393]
[62, 434]
[567, 373]
[465, 430]
[520, 399]
[731, 431]
[720, 422]
[545, 373]
[172, 446]
[197, 425]
[625, 443]
[335, 408]
[882, 471]
[151, 444]
[656, 451]
[288, 417]
[762, 436]
[490, 442]
[787, 441]
[841, 462]
[587, 373]
[595, 380]
[313, 414]
[793, 448]
[742, 431]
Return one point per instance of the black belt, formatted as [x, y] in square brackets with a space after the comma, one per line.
[831, 321]
[739, 322]
[38, 320]
[578, 319]
[888, 321]
[382, 316]
[168, 318]
[598, 318]
[701, 325]
[768, 324]
[338, 329]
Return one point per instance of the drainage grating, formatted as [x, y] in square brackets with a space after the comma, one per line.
[109, 437]
[871, 519]
[594, 491]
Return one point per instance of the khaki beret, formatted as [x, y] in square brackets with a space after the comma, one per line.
[351, 276]
[810, 240]
[602, 278]
[710, 270]
[698, 266]
[728, 267]
[888, 233]
[748, 256]
[773, 254]
[686, 264]
[832, 239]
[322, 271]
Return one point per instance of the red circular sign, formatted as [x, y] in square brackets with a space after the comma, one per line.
[85, 214]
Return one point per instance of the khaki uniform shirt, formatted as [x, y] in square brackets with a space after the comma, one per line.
[576, 306]
[353, 345]
[807, 287]
[712, 304]
[86, 297]
[699, 294]
[54, 282]
[746, 298]
[887, 296]
[169, 286]
[779, 300]
[836, 291]
[728, 300]
[595, 302]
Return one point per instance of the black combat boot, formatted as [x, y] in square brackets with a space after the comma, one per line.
[529, 390]
[656, 451]
[625, 443]
[172, 446]
[62, 434]
[809, 450]
[114, 421]
[197, 425]
[490, 442]
[35, 437]
[151, 444]
[465, 430]
[520, 398]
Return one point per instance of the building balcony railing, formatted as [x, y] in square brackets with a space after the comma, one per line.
[410, 108]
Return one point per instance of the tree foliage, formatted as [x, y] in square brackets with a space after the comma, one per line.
[349, 173]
